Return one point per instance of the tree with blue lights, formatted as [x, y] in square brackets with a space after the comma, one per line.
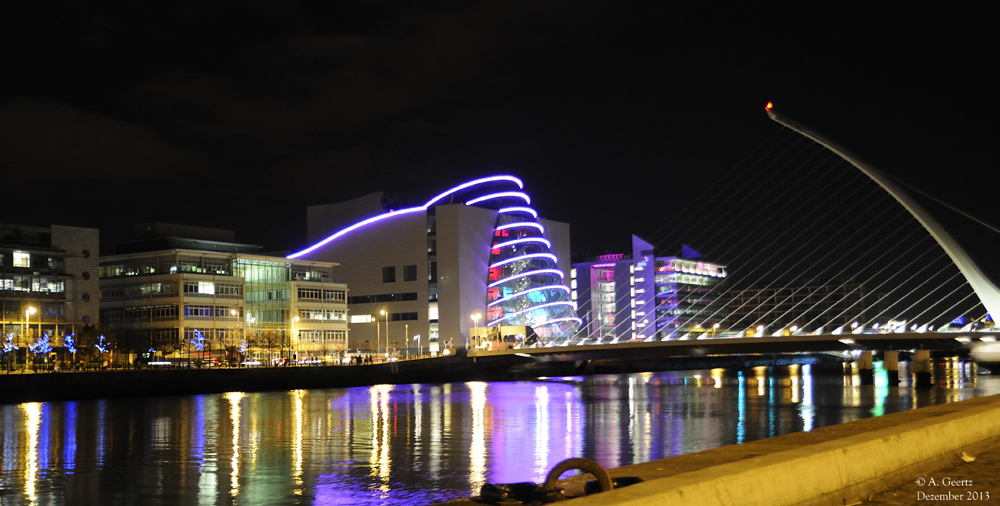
[198, 341]
[199, 344]
[69, 342]
[102, 346]
[242, 351]
[8, 347]
[40, 345]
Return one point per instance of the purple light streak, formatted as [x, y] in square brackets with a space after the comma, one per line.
[411, 210]
[529, 273]
[521, 195]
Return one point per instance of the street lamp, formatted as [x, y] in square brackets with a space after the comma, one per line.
[291, 343]
[382, 312]
[475, 319]
[233, 313]
[27, 330]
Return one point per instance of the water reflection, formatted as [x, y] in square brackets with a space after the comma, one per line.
[416, 444]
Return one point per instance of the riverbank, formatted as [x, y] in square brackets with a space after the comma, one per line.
[37, 387]
[839, 464]
[78, 385]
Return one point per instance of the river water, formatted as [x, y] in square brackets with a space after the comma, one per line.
[418, 444]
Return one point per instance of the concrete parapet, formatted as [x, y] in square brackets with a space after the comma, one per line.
[796, 469]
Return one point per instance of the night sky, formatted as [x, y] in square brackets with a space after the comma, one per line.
[238, 115]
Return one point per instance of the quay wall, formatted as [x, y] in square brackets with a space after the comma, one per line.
[840, 464]
[37, 387]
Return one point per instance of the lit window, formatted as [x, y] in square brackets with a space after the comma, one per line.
[22, 259]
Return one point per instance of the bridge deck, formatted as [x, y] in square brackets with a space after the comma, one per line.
[749, 345]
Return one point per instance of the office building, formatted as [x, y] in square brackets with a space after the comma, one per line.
[644, 297]
[175, 289]
[48, 282]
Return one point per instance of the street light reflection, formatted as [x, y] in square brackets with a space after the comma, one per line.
[33, 418]
[234, 399]
[477, 446]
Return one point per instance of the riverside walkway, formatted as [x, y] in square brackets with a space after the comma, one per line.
[885, 460]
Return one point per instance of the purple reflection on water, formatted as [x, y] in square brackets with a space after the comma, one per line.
[411, 444]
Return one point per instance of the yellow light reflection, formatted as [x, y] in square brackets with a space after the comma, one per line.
[717, 376]
[380, 462]
[297, 446]
[477, 447]
[234, 417]
[759, 372]
[33, 417]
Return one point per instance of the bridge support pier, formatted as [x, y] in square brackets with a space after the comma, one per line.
[891, 364]
[865, 369]
[921, 367]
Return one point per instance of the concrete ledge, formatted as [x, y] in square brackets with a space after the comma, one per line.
[835, 471]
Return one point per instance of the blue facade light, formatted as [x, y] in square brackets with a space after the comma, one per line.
[522, 224]
[516, 209]
[529, 291]
[522, 241]
[532, 308]
[526, 257]
[526, 274]
[484, 198]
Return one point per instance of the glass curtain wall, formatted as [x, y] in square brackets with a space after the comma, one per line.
[267, 286]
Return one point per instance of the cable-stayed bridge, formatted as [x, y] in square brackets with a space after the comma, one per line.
[807, 249]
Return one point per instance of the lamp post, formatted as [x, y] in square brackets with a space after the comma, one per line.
[386, 330]
[406, 339]
[27, 331]
[253, 320]
[291, 344]
[377, 332]
[234, 314]
[475, 319]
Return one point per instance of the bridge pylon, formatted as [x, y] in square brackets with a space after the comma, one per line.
[987, 292]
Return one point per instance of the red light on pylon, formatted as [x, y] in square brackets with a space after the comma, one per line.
[768, 106]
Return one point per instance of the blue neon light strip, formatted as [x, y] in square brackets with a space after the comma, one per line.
[492, 179]
[532, 308]
[518, 294]
[431, 202]
[355, 227]
[519, 210]
[526, 239]
[520, 195]
[522, 224]
[525, 257]
[529, 273]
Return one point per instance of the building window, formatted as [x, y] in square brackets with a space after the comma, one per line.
[385, 297]
[409, 273]
[309, 293]
[399, 317]
[389, 274]
[22, 259]
[334, 295]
